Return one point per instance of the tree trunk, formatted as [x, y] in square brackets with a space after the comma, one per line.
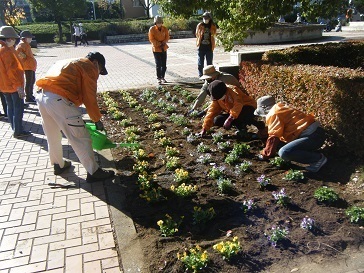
[60, 32]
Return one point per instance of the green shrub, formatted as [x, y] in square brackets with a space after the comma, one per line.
[98, 30]
[346, 54]
[334, 95]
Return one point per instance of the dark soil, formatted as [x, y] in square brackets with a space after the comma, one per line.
[334, 232]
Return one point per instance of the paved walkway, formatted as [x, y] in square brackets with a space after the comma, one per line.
[63, 224]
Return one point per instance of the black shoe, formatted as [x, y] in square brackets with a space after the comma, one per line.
[30, 101]
[58, 170]
[22, 134]
[99, 175]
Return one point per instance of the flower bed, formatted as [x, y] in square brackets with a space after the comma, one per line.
[221, 219]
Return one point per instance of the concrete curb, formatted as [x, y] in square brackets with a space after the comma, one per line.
[129, 247]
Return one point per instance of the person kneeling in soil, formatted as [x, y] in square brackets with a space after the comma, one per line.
[299, 135]
[230, 106]
[209, 75]
[67, 85]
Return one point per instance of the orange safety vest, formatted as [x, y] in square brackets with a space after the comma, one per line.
[287, 123]
[29, 62]
[156, 37]
[75, 80]
[235, 99]
[11, 70]
[200, 29]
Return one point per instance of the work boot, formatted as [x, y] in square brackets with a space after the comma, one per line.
[99, 175]
[58, 170]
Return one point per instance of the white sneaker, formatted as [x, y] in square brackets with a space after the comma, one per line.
[315, 167]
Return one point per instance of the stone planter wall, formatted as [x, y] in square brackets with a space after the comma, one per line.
[285, 32]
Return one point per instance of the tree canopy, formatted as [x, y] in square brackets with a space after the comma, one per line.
[60, 10]
[236, 17]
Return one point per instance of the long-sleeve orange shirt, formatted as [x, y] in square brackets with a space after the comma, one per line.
[233, 102]
[11, 70]
[158, 38]
[26, 56]
[287, 123]
[75, 80]
[200, 31]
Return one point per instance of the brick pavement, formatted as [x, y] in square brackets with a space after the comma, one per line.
[63, 224]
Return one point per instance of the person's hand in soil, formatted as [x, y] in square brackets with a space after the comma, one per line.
[202, 133]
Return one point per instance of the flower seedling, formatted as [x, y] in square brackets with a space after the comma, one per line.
[307, 223]
[245, 166]
[294, 175]
[202, 148]
[248, 205]
[184, 190]
[279, 162]
[168, 227]
[186, 131]
[172, 163]
[140, 154]
[201, 217]
[326, 195]
[181, 176]
[263, 181]
[152, 196]
[191, 138]
[232, 158]
[223, 146]
[159, 134]
[216, 172]
[356, 214]
[241, 149]
[282, 198]
[141, 166]
[204, 159]
[217, 137]
[156, 126]
[276, 234]
[153, 117]
[194, 259]
[165, 141]
[224, 185]
[228, 248]
[171, 151]
[125, 122]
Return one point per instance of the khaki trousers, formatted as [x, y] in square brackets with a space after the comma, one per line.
[59, 114]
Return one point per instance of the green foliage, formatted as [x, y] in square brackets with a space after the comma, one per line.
[224, 185]
[279, 162]
[194, 259]
[236, 18]
[293, 175]
[228, 248]
[168, 227]
[356, 214]
[201, 217]
[334, 95]
[326, 195]
[346, 55]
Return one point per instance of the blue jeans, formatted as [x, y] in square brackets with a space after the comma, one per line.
[160, 63]
[202, 54]
[15, 111]
[304, 149]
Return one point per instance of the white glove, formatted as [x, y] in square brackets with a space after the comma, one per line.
[21, 92]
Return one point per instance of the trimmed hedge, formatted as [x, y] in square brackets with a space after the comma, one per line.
[98, 30]
[334, 95]
[344, 54]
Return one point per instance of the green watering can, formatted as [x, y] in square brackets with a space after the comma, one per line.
[100, 140]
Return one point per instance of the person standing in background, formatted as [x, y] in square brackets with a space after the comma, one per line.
[12, 80]
[77, 33]
[205, 34]
[158, 37]
[29, 63]
[5, 107]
